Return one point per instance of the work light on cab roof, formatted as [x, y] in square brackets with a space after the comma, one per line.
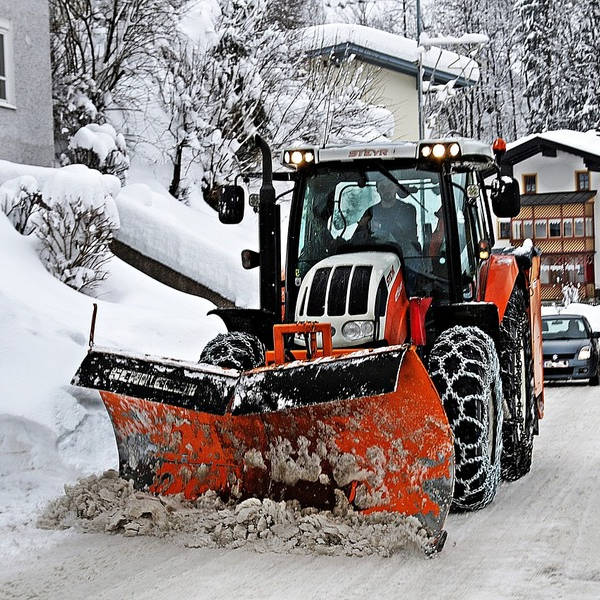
[440, 150]
[299, 158]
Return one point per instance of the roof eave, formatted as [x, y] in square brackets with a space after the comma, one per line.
[391, 63]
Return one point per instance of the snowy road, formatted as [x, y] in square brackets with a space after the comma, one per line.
[537, 540]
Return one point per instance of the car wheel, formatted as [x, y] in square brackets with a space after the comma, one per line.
[464, 368]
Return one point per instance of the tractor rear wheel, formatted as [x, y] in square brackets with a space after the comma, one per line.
[234, 350]
[464, 368]
[516, 369]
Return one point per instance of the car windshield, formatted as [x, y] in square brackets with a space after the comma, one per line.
[346, 207]
[561, 328]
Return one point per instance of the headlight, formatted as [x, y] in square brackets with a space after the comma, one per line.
[585, 353]
[357, 330]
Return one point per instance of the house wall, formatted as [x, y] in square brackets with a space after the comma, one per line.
[554, 174]
[399, 95]
[557, 174]
[26, 128]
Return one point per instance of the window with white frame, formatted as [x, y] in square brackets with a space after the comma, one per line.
[6, 66]
[567, 227]
[516, 230]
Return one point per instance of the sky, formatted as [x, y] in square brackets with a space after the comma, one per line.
[98, 539]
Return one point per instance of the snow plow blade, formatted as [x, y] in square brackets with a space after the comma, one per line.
[367, 423]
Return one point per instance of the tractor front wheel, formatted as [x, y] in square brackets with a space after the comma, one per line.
[464, 368]
[234, 350]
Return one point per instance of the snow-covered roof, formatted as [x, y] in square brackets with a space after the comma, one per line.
[584, 144]
[390, 51]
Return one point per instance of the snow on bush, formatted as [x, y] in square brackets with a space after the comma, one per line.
[99, 147]
[77, 226]
[20, 198]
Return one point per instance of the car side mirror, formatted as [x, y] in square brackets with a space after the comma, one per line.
[506, 197]
[231, 204]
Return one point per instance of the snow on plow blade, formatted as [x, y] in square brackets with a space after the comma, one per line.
[368, 423]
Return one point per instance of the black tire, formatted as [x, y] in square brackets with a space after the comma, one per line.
[464, 368]
[516, 370]
[234, 350]
[595, 380]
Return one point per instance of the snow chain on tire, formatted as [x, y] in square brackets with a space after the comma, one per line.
[464, 368]
[234, 350]
[516, 369]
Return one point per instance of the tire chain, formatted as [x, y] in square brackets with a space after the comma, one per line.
[234, 350]
[463, 365]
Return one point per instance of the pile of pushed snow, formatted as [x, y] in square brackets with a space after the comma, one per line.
[109, 504]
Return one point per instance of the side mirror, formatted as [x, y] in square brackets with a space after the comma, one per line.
[231, 204]
[506, 197]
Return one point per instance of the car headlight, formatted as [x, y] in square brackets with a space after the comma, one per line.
[585, 353]
[357, 330]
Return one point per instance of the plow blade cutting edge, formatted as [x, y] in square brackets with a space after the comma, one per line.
[369, 424]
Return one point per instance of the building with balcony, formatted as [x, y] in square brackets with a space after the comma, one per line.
[559, 174]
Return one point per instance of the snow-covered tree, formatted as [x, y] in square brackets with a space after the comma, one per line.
[586, 62]
[540, 36]
[252, 77]
[99, 48]
[395, 16]
[491, 107]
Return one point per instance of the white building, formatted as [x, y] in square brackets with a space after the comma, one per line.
[397, 60]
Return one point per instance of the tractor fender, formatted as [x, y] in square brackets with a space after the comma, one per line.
[502, 273]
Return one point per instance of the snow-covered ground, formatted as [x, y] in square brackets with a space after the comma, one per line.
[537, 540]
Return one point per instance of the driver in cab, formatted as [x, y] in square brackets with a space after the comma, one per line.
[392, 220]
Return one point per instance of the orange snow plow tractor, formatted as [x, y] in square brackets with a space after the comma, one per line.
[367, 423]
[395, 367]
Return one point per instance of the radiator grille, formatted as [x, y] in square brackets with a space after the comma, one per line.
[335, 291]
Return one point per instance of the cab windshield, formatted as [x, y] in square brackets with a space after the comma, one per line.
[395, 209]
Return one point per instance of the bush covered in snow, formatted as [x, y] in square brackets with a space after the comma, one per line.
[73, 215]
[77, 227]
[20, 199]
[99, 147]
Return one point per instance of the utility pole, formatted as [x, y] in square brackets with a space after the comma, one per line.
[420, 50]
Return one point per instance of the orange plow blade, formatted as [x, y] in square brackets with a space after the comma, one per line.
[369, 424]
